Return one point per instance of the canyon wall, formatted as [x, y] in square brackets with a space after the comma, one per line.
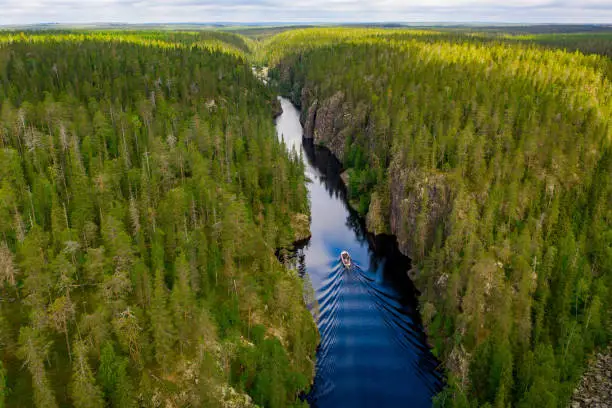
[415, 204]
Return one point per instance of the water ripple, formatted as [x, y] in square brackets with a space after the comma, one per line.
[373, 352]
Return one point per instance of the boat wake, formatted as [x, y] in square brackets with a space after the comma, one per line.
[373, 349]
[371, 353]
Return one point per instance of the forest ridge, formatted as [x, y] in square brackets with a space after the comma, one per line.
[488, 156]
[143, 194]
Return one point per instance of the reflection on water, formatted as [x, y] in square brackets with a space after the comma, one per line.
[373, 350]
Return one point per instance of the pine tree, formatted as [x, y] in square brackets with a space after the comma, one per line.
[162, 327]
[3, 386]
[113, 378]
[83, 389]
[61, 312]
[182, 302]
[33, 350]
[8, 269]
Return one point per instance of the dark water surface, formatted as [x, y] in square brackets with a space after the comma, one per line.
[373, 350]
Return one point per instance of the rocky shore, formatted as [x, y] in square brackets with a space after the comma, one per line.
[595, 389]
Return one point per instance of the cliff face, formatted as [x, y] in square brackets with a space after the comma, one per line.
[419, 204]
[413, 205]
[327, 122]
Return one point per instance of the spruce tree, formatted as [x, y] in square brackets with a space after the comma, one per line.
[83, 389]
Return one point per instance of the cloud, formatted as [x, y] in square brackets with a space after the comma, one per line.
[158, 11]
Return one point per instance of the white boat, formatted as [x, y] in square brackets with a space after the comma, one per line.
[346, 259]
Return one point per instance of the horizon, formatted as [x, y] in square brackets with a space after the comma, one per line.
[339, 23]
[299, 12]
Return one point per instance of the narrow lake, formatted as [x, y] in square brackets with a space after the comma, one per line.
[373, 351]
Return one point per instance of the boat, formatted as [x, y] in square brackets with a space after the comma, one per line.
[346, 259]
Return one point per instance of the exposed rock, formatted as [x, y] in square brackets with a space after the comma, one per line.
[211, 104]
[277, 109]
[331, 121]
[376, 219]
[309, 120]
[285, 73]
[300, 224]
[595, 388]
[261, 73]
[419, 204]
[345, 176]
[325, 121]
[307, 99]
[412, 273]
[230, 398]
[459, 363]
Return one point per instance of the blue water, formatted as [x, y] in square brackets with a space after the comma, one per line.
[373, 352]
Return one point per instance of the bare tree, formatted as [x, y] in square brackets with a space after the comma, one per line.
[8, 270]
[61, 312]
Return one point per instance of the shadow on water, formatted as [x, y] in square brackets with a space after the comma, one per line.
[373, 351]
[383, 248]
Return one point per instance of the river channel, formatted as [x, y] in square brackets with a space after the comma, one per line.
[373, 351]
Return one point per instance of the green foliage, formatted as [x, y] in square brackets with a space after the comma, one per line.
[84, 392]
[113, 379]
[3, 386]
[263, 365]
[34, 350]
[143, 192]
[492, 155]
[587, 43]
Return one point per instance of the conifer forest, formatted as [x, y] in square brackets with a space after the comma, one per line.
[146, 203]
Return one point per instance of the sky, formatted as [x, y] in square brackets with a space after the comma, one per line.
[14, 12]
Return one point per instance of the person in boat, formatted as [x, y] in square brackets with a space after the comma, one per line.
[346, 259]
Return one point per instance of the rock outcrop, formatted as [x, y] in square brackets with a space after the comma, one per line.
[327, 123]
[300, 224]
[415, 204]
[595, 389]
[277, 110]
[419, 203]
[308, 120]
[378, 215]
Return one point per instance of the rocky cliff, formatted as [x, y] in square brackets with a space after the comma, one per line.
[595, 389]
[419, 204]
[327, 122]
[413, 204]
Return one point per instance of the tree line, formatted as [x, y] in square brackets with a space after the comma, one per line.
[142, 196]
[490, 160]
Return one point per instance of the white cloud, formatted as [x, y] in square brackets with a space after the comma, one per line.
[141, 11]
